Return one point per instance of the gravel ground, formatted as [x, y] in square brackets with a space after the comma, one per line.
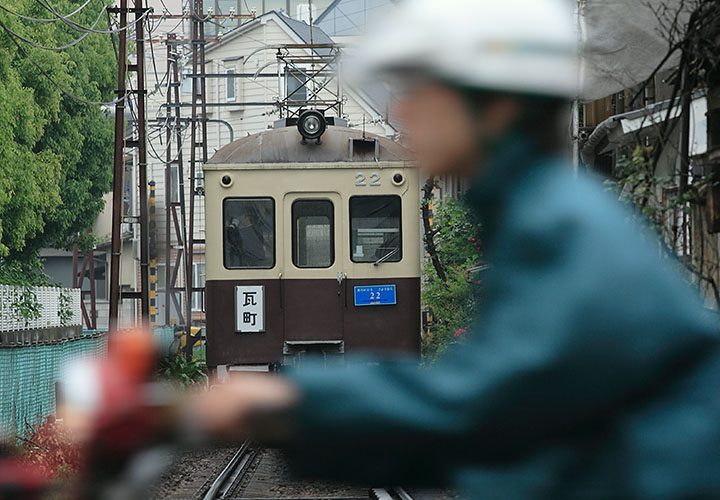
[192, 472]
[269, 477]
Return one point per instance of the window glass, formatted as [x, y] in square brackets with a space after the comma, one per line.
[249, 233]
[296, 88]
[313, 234]
[375, 232]
[230, 85]
[174, 183]
[198, 281]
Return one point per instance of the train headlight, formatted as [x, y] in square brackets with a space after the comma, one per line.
[311, 125]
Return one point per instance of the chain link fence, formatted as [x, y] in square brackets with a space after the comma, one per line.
[28, 374]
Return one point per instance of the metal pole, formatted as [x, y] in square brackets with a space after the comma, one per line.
[93, 311]
[685, 102]
[142, 168]
[168, 176]
[118, 168]
[198, 94]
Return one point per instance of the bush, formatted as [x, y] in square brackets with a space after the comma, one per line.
[51, 450]
[453, 302]
[178, 370]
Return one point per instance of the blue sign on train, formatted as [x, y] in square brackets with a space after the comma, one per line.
[375, 295]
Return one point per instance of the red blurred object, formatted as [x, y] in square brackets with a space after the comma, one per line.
[125, 420]
[21, 481]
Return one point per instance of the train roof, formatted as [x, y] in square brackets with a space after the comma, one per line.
[283, 145]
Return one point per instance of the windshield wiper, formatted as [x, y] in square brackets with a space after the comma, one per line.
[386, 256]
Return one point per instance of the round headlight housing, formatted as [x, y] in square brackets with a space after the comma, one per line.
[311, 124]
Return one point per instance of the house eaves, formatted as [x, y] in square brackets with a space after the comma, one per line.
[633, 121]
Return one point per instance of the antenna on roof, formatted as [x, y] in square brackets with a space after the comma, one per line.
[311, 21]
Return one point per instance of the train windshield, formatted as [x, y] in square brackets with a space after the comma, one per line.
[375, 229]
[313, 237]
[249, 233]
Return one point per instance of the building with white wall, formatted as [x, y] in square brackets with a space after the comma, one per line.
[246, 81]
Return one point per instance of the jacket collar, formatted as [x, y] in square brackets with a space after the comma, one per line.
[512, 159]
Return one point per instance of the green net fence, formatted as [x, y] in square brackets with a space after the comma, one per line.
[28, 375]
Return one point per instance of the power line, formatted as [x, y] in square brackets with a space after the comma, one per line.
[50, 78]
[44, 20]
[63, 47]
[82, 29]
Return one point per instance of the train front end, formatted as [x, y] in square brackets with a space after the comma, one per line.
[312, 248]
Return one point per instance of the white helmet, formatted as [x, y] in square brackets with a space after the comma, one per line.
[517, 46]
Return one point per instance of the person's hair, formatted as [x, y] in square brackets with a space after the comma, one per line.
[544, 120]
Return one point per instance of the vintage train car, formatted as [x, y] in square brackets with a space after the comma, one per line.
[312, 246]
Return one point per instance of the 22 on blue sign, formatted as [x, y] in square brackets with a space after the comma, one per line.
[375, 295]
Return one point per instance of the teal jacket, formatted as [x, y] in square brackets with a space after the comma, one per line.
[593, 371]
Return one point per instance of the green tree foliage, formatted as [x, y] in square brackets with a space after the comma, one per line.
[454, 302]
[55, 153]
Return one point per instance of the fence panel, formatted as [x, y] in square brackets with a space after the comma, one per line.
[51, 301]
[28, 375]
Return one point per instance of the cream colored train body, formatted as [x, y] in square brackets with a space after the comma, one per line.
[311, 248]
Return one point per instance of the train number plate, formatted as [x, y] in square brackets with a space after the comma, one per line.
[375, 295]
[249, 309]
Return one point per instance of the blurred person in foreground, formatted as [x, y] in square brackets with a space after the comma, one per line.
[593, 370]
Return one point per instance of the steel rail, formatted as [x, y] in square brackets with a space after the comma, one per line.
[396, 493]
[232, 470]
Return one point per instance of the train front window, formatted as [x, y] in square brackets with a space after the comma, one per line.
[375, 232]
[313, 234]
[249, 233]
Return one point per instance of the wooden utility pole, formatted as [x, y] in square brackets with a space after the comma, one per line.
[138, 141]
[118, 168]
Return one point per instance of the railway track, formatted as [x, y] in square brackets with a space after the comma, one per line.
[244, 475]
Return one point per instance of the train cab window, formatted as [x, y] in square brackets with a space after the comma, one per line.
[313, 233]
[249, 233]
[375, 232]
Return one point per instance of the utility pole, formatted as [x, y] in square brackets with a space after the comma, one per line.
[138, 142]
[198, 154]
[174, 221]
[118, 169]
[142, 167]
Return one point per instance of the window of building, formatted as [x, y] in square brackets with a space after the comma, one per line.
[249, 233]
[198, 281]
[375, 228]
[313, 234]
[296, 87]
[230, 85]
[174, 183]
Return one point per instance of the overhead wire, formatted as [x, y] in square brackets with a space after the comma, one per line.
[45, 20]
[62, 47]
[49, 77]
[82, 29]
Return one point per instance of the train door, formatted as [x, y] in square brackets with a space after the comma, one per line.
[312, 285]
